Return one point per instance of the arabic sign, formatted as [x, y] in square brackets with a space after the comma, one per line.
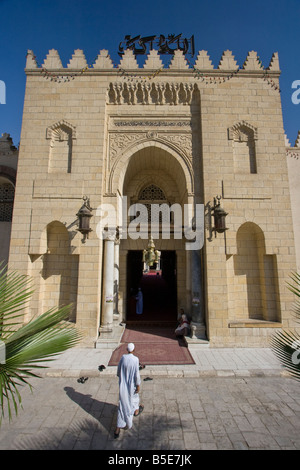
[165, 45]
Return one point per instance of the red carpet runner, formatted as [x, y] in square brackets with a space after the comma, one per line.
[153, 346]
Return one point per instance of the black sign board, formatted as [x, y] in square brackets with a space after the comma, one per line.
[164, 45]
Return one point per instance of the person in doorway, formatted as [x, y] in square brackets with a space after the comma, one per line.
[183, 328]
[132, 302]
[139, 302]
[129, 387]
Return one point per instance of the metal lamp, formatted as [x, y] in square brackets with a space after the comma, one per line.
[219, 216]
[84, 216]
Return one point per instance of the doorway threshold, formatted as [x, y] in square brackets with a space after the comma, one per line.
[197, 343]
[111, 339]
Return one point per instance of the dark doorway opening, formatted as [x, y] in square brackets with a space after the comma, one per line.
[159, 289]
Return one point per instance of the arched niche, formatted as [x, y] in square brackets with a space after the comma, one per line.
[252, 277]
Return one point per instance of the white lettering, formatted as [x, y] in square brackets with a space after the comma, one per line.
[141, 222]
[108, 216]
[295, 95]
[118, 460]
[2, 352]
[190, 224]
[295, 355]
[194, 226]
[2, 92]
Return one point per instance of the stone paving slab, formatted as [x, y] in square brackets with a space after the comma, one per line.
[198, 413]
[208, 362]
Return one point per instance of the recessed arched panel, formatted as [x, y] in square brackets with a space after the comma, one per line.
[59, 270]
[252, 277]
[243, 136]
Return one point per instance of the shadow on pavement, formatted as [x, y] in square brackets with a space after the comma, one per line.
[97, 430]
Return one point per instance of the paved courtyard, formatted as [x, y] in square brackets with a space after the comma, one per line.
[181, 413]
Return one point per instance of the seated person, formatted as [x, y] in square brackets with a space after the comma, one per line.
[183, 329]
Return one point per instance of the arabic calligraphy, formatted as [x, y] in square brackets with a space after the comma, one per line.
[166, 45]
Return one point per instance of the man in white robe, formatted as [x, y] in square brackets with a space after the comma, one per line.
[129, 387]
[139, 302]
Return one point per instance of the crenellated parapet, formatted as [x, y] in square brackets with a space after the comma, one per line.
[128, 69]
[153, 62]
[293, 151]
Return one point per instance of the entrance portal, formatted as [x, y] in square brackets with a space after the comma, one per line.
[159, 289]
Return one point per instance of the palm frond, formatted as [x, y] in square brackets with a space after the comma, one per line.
[286, 344]
[295, 288]
[27, 345]
[15, 292]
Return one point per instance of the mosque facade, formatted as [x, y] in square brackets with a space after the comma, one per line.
[101, 144]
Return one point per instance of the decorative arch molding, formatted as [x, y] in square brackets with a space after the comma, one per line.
[120, 164]
[55, 131]
[180, 143]
[237, 130]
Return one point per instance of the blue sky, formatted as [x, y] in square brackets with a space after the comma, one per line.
[265, 26]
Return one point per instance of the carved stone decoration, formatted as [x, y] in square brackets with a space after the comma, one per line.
[150, 93]
[58, 125]
[242, 127]
[120, 142]
[152, 123]
[182, 141]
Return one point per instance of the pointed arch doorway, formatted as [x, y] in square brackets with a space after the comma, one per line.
[159, 289]
[154, 174]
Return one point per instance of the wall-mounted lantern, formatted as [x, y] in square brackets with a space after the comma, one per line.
[219, 215]
[84, 216]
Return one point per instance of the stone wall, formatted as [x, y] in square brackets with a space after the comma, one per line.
[196, 131]
[8, 170]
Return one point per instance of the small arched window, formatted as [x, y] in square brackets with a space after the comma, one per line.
[7, 194]
[152, 194]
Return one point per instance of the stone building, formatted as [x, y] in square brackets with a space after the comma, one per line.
[8, 172]
[98, 138]
[293, 164]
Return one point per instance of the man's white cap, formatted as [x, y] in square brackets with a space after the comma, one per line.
[130, 347]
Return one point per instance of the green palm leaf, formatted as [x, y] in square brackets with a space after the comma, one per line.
[27, 345]
[285, 344]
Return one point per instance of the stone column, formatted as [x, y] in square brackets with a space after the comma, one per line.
[188, 281]
[197, 308]
[116, 278]
[108, 281]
